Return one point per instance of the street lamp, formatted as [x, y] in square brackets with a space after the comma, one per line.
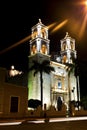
[13, 72]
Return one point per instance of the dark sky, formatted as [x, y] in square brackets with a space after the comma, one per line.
[17, 18]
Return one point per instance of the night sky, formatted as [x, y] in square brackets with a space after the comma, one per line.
[18, 17]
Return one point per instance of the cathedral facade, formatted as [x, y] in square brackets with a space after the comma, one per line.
[58, 84]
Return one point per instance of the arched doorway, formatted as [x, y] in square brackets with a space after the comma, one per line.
[59, 103]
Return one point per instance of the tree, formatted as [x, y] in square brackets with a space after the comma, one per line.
[34, 103]
[73, 67]
[69, 69]
[41, 67]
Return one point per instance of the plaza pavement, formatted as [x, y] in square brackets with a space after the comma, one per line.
[74, 123]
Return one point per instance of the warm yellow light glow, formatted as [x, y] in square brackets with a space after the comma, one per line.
[13, 72]
[51, 25]
[12, 67]
[82, 29]
[84, 19]
[59, 26]
[85, 8]
[86, 3]
[24, 40]
[16, 44]
[82, 2]
[81, 25]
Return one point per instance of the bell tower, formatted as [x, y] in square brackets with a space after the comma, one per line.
[39, 51]
[68, 51]
[39, 42]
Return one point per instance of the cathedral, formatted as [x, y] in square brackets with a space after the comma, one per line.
[59, 84]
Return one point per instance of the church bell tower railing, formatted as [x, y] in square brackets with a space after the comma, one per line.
[68, 52]
[39, 42]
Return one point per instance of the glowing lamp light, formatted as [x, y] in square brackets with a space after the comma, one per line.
[86, 6]
[86, 3]
[13, 72]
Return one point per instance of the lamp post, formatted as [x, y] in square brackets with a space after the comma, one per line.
[13, 72]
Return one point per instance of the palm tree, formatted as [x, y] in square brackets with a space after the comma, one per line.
[41, 67]
[77, 73]
[73, 67]
[69, 69]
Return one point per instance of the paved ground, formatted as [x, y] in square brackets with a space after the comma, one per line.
[74, 125]
[64, 125]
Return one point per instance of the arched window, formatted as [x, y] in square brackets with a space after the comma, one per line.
[64, 46]
[43, 49]
[33, 49]
[72, 47]
[64, 59]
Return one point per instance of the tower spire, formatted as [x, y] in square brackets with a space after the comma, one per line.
[68, 51]
[67, 35]
[40, 21]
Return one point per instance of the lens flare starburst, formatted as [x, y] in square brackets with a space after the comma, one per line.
[53, 27]
[83, 18]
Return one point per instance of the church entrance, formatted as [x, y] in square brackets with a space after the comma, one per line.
[59, 103]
